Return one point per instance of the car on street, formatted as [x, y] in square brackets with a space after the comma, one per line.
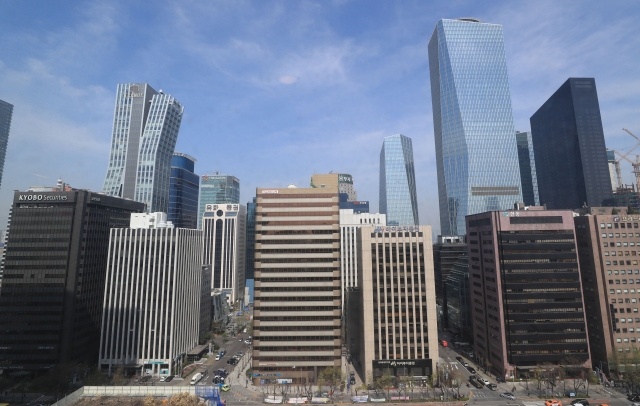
[465, 364]
[352, 380]
[232, 361]
[471, 369]
[492, 386]
[634, 397]
[552, 402]
[484, 381]
[603, 404]
[217, 379]
[218, 357]
[508, 395]
[222, 372]
[169, 378]
[459, 359]
[225, 388]
[248, 342]
[580, 402]
[239, 354]
[635, 404]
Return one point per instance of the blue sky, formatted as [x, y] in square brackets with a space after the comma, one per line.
[277, 90]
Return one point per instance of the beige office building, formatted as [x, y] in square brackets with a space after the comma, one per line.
[609, 251]
[342, 181]
[393, 321]
[297, 284]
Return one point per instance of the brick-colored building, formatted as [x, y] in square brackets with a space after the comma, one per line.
[526, 294]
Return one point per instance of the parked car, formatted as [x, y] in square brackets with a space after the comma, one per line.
[169, 378]
[239, 354]
[248, 342]
[552, 402]
[218, 357]
[508, 395]
[225, 388]
[459, 359]
[217, 379]
[352, 380]
[492, 386]
[232, 361]
[634, 397]
[484, 381]
[471, 369]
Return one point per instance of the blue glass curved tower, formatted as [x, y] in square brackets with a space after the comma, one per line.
[398, 199]
[476, 153]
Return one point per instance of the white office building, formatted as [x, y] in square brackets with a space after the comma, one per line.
[224, 247]
[349, 225]
[151, 314]
[145, 130]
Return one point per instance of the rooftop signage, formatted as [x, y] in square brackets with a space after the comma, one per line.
[269, 191]
[345, 178]
[214, 207]
[411, 229]
[43, 198]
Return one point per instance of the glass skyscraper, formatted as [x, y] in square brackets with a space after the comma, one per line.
[6, 112]
[183, 192]
[398, 199]
[217, 189]
[570, 152]
[476, 154]
[145, 130]
[528, 177]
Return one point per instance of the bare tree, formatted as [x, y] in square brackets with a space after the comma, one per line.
[456, 380]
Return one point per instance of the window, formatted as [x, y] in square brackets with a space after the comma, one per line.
[601, 225]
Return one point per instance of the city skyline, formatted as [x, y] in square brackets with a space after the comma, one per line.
[257, 94]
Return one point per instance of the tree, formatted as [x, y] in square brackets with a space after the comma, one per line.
[332, 377]
[385, 382]
[118, 377]
[457, 379]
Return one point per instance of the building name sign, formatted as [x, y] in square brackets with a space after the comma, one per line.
[395, 363]
[344, 178]
[95, 199]
[270, 191]
[30, 198]
[136, 94]
[626, 218]
[411, 229]
[511, 214]
[214, 207]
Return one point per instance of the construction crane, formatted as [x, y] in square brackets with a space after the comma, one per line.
[635, 164]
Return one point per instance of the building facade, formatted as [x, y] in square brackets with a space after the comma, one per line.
[398, 198]
[609, 251]
[476, 154]
[457, 294]
[145, 130]
[528, 177]
[54, 276]
[6, 112]
[397, 320]
[217, 189]
[526, 290]
[446, 251]
[151, 304]
[350, 222]
[251, 249]
[357, 206]
[224, 229]
[184, 191]
[297, 284]
[342, 181]
[568, 139]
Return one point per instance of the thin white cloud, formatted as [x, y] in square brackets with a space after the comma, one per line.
[288, 80]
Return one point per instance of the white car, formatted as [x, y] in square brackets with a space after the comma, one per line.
[484, 381]
[218, 356]
[508, 395]
[162, 378]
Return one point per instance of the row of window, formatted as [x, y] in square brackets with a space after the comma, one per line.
[618, 225]
[618, 235]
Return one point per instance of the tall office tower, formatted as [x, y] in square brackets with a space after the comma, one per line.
[476, 154]
[151, 302]
[528, 307]
[350, 222]
[398, 199]
[394, 323]
[183, 192]
[251, 249]
[607, 246]
[224, 229]
[458, 311]
[296, 308]
[568, 139]
[446, 251]
[217, 189]
[6, 112]
[145, 130]
[54, 276]
[528, 177]
[611, 162]
[206, 304]
[343, 181]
